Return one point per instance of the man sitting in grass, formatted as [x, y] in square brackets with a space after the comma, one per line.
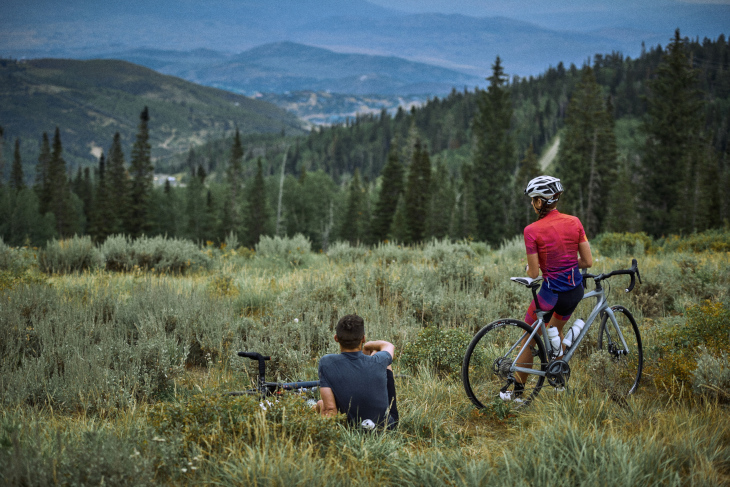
[359, 380]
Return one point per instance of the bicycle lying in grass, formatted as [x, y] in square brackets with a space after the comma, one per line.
[490, 362]
[264, 388]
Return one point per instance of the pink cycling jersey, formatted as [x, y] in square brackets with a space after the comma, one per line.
[555, 238]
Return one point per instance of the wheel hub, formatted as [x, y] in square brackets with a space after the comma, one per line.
[502, 366]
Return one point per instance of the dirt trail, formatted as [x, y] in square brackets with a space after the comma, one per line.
[550, 155]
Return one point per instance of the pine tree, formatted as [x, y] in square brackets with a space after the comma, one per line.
[142, 174]
[41, 176]
[232, 220]
[2, 155]
[196, 206]
[354, 225]
[417, 195]
[390, 191]
[622, 202]
[102, 214]
[399, 227]
[465, 223]
[60, 193]
[258, 212]
[494, 161]
[441, 206]
[673, 127]
[529, 169]
[587, 156]
[117, 185]
[17, 179]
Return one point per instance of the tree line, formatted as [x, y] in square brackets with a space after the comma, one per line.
[454, 168]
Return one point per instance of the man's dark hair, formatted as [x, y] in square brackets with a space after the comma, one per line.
[350, 330]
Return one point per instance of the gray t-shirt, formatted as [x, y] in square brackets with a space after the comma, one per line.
[359, 384]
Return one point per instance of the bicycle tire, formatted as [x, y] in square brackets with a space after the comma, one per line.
[622, 372]
[484, 371]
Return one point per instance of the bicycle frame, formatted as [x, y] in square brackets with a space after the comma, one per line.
[539, 326]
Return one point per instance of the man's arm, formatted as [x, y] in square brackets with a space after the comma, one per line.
[379, 346]
[327, 405]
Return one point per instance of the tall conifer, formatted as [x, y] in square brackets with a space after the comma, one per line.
[587, 157]
[417, 195]
[258, 212]
[390, 189]
[17, 179]
[674, 145]
[494, 162]
[117, 185]
[41, 176]
[232, 218]
[59, 190]
[142, 174]
[354, 225]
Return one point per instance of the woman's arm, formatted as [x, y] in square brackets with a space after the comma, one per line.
[585, 259]
[533, 266]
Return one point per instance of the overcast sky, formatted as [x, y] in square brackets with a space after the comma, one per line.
[485, 8]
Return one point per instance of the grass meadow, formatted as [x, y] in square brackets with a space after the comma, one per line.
[117, 376]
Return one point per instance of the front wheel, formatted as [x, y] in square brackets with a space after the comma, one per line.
[489, 357]
[620, 368]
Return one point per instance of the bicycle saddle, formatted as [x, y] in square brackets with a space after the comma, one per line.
[526, 281]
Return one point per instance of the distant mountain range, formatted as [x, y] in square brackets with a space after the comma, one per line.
[571, 32]
[91, 100]
[288, 67]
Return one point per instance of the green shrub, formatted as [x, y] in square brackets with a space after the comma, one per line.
[620, 244]
[159, 254]
[675, 357]
[168, 255]
[712, 375]
[439, 250]
[344, 252]
[440, 349]
[456, 268]
[70, 255]
[117, 253]
[388, 253]
[717, 240]
[292, 249]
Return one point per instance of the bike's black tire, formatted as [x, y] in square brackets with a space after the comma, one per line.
[622, 372]
[481, 374]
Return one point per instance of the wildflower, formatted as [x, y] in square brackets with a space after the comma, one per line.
[184, 470]
[158, 439]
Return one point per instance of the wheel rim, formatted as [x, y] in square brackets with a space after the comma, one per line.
[486, 366]
[617, 369]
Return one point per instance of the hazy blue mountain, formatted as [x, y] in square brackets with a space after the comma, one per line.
[286, 66]
[538, 35]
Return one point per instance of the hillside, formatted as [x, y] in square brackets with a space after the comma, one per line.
[287, 66]
[91, 100]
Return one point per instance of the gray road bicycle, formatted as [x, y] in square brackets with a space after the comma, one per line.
[491, 360]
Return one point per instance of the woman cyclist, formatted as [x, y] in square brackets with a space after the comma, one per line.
[556, 245]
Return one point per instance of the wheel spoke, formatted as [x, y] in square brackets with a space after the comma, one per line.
[489, 363]
[618, 366]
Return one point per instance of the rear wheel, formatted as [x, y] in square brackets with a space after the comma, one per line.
[485, 371]
[620, 368]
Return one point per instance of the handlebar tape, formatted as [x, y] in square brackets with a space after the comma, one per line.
[253, 356]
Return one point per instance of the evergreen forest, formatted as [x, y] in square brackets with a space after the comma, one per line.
[642, 146]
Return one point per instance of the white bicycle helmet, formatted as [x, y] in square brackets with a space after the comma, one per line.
[546, 187]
